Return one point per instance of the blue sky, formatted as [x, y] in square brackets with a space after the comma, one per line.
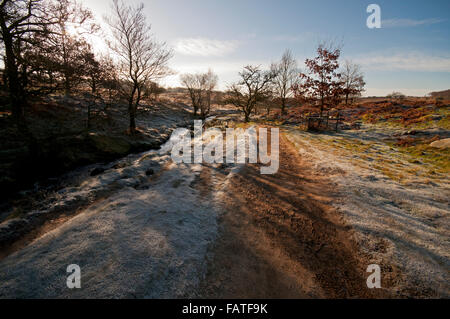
[410, 53]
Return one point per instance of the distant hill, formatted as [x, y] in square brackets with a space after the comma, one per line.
[444, 94]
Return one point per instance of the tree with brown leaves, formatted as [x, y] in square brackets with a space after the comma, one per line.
[323, 82]
[20, 22]
[70, 48]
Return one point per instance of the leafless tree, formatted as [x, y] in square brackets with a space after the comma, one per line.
[253, 88]
[200, 87]
[353, 80]
[190, 82]
[287, 74]
[141, 59]
[155, 90]
[396, 96]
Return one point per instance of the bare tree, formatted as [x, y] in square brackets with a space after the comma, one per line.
[200, 87]
[141, 58]
[253, 88]
[190, 82]
[353, 80]
[287, 74]
[156, 90]
[208, 82]
[396, 96]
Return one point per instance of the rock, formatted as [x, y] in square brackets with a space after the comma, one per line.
[97, 171]
[141, 187]
[442, 144]
[356, 126]
[120, 165]
[109, 145]
[142, 145]
[436, 117]
[149, 172]
[345, 127]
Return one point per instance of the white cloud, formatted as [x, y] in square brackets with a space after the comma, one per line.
[397, 23]
[204, 47]
[410, 61]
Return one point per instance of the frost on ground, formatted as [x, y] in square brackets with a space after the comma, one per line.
[403, 226]
[147, 239]
[148, 231]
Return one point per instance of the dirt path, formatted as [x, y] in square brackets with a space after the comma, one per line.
[196, 231]
[280, 238]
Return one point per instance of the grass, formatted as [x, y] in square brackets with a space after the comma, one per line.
[439, 159]
[17, 213]
[424, 160]
[445, 122]
[245, 125]
[401, 160]
[401, 163]
[414, 119]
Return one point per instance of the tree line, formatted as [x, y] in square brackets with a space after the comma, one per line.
[324, 83]
[45, 48]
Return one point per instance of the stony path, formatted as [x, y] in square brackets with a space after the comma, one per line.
[281, 238]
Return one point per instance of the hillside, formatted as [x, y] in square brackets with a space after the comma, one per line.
[441, 94]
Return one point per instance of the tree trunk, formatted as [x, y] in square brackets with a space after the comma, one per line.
[132, 120]
[66, 86]
[132, 110]
[89, 116]
[194, 101]
[322, 102]
[94, 86]
[12, 74]
[247, 117]
[283, 106]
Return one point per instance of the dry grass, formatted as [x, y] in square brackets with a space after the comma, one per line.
[396, 198]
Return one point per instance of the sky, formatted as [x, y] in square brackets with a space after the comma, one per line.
[410, 53]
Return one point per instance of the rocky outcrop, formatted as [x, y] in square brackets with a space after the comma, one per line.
[442, 144]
